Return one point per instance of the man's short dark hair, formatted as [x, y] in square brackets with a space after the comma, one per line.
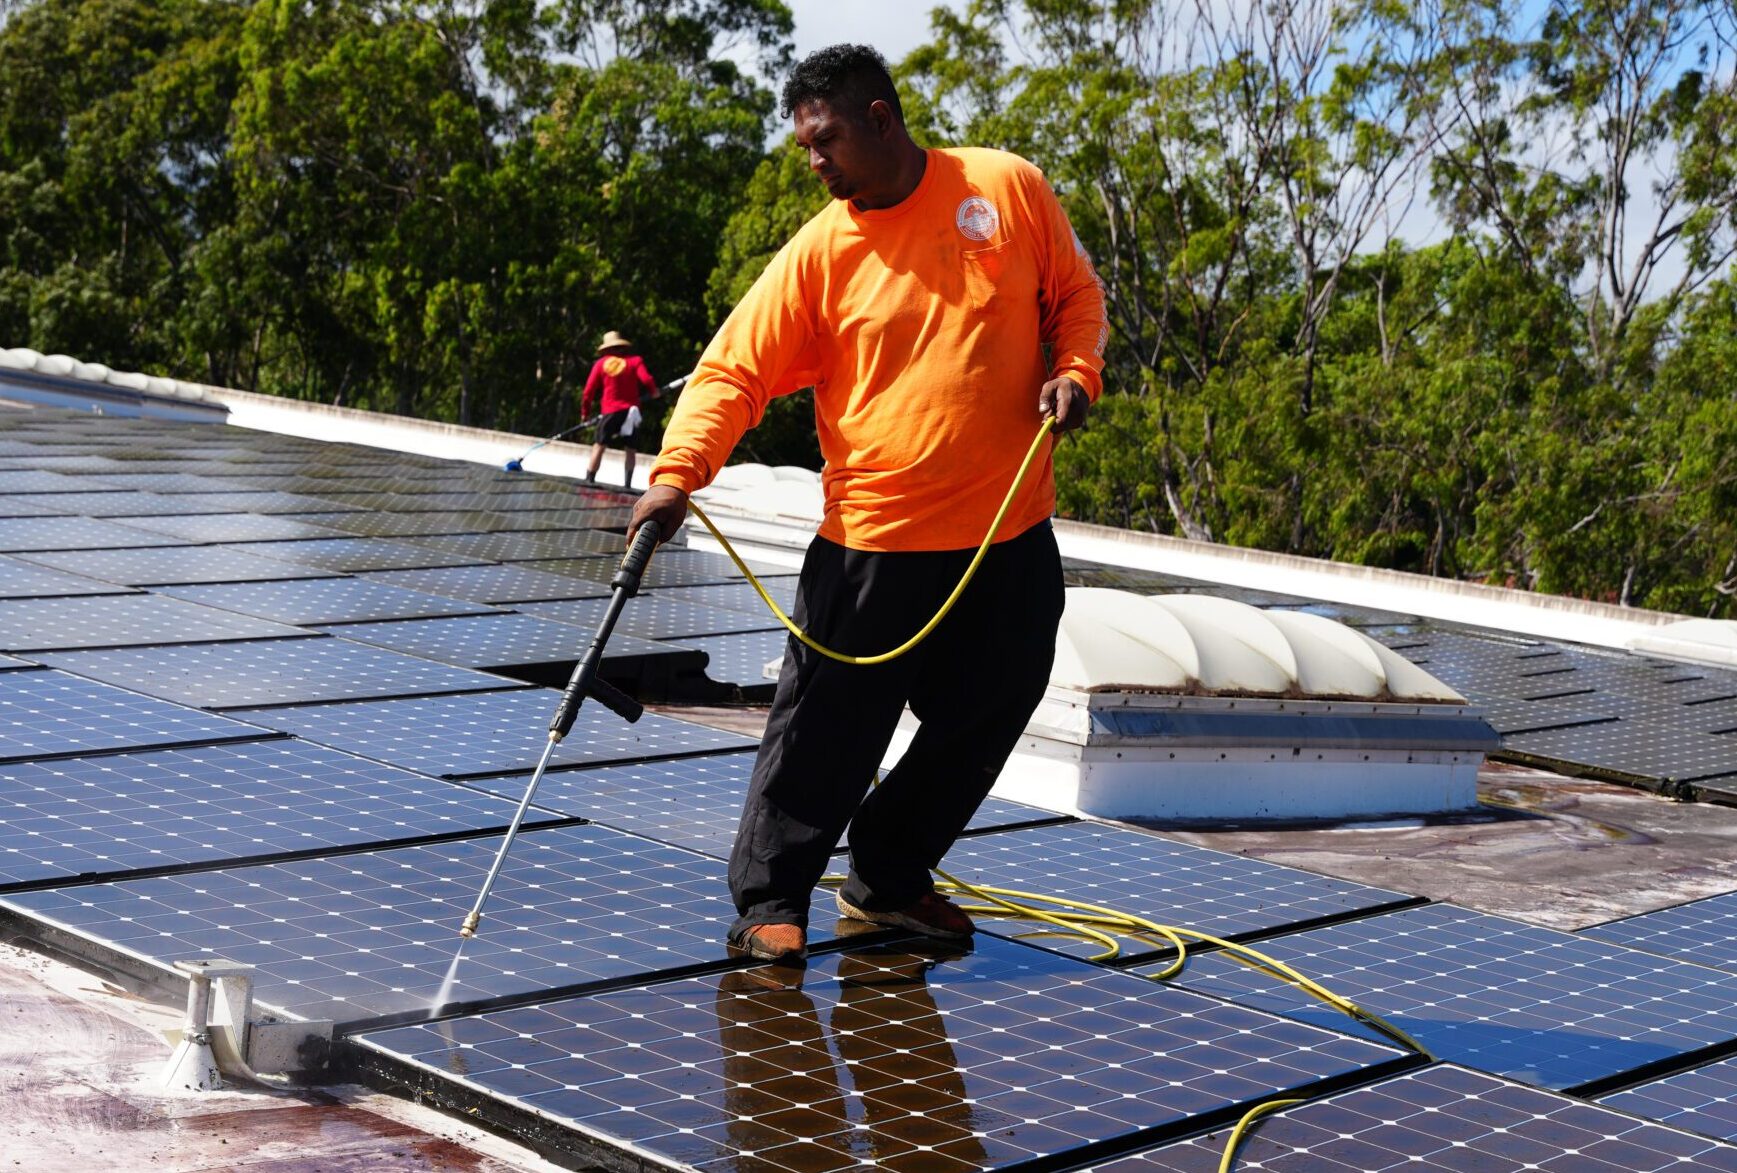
[849, 78]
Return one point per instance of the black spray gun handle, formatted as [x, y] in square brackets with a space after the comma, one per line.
[585, 681]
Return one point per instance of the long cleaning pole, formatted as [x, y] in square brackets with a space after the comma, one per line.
[584, 681]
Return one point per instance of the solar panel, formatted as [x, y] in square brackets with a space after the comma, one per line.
[1702, 1100]
[172, 482]
[1546, 1008]
[741, 659]
[18, 507]
[45, 714]
[120, 620]
[495, 641]
[359, 936]
[258, 501]
[230, 527]
[660, 573]
[155, 809]
[270, 672]
[1508, 715]
[654, 616]
[690, 802]
[394, 525]
[529, 546]
[171, 565]
[490, 733]
[20, 534]
[349, 555]
[1444, 1119]
[1635, 748]
[120, 503]
[13, 662]
[42, 481]
[314, 601]
[23, 580]
[737, 596]
[565, 515]
[892, 1057]
[1161, 879]
[1702, 931]
[493, 584]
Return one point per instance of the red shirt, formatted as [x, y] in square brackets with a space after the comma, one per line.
[621, 376]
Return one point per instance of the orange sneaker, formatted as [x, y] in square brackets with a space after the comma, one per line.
[933, 915]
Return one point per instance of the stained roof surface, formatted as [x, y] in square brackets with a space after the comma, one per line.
[274, 700]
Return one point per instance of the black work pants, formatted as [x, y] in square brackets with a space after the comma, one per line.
[972, 684]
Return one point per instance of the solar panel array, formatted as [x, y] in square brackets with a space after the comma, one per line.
[241, 715]
[1702, 931]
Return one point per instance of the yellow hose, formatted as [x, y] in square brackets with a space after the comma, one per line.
[1043, 432]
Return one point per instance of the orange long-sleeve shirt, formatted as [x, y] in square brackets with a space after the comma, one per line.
[923, 329]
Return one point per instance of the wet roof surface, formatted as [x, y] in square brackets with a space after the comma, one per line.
[272, 700]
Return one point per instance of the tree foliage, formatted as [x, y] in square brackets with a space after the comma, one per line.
[1443, 286]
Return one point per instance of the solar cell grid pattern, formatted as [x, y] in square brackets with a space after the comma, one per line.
[882, 1058]
[393, 525]
[25, 580]
[229, 527]
[494, 584]
[355, 937]
[316, 601]
[1444, 1119]
[350, 554]
[13, 662]
[1637, 748]
[489, 733]
[527, 546]
[147, 810]
[119, 504]
[257, 501]
[1702, 931]
[690, 802]
[24, 534]
[119, 620]
[17, 507]
[659, 574]
[497, 641]
[1172, 883]
[740, 659]
[737, 596]
[270, 672]
[653, 615]
[172, 565]
[41, 481]
[45, 714]
[1702, 1100]
[1545, 1008]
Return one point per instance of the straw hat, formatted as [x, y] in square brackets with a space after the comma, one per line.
[613, 341]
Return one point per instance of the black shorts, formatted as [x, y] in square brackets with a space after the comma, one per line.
[609, 429]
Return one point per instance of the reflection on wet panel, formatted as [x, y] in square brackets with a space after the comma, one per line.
[895, 1057]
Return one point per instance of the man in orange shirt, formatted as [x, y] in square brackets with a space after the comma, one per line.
[941, 307]
[617, 378]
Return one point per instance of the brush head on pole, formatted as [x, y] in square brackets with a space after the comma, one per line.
[514, 465]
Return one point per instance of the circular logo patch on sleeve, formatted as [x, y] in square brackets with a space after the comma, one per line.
[977, 218]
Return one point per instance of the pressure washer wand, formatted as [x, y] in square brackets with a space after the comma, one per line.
[584, 682]
[517, 463]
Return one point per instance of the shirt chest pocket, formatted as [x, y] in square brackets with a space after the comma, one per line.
[989, 275]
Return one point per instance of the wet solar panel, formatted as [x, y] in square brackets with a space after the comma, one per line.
[662, 572]
[123, 620]
[1546, 1008]
[314, 601]
[229, 527]
[47, 714]
[359, 936]
[490, 733]
[893, 1057]
[532, 545]
[158, 809]
[270, 672]
[1444, 1119]
[654, 616]
[43, 481]
[121, 503]
[741, 659]
[257, 501]
[1173, 883]
[172, 565]
[349, 555]
[393, 525]
[1702, 931]
[737, 596]
[24, 580]
[1703, 1099]
[690, 802]
[495, 641]
[21, 534]
[495, 584]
